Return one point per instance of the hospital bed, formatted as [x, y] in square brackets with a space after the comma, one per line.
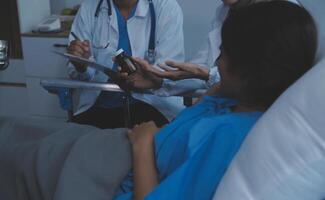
[283, 157]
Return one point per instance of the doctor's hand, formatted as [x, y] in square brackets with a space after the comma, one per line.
[142, 79]
[81, 49]
[178, 71]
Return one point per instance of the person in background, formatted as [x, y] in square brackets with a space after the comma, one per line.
[265, 48]
[148, 29]
[203, 65]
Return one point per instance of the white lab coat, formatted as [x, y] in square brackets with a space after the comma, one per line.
[104, 29]
[205, 57]
[210, 49]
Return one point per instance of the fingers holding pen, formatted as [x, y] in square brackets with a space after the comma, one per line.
[80, 48]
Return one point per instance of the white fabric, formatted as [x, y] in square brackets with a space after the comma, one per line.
[104, 29]
[283, 157]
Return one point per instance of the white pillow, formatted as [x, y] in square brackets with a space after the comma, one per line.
[283, 157]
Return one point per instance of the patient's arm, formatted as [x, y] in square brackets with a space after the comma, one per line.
[144, 164]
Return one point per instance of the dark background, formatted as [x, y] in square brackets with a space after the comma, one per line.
[9, 27]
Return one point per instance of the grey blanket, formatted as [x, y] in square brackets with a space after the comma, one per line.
[42, 160]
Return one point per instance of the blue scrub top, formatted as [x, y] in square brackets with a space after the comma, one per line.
[194, 151]
[115, 99]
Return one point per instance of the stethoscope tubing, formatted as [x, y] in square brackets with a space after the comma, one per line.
[152, 44]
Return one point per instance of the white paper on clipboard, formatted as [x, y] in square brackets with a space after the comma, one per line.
[88, 63]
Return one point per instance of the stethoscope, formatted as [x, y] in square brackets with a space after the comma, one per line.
[151, 52]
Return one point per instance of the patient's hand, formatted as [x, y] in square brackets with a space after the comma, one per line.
[144, 164]
[143, 135]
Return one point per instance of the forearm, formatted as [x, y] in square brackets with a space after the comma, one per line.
[179, 88]
[145, 171]
[202, 73]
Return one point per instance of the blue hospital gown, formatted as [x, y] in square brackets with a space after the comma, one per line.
[194, 151]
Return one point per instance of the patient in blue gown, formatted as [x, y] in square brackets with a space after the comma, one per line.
[265, 48]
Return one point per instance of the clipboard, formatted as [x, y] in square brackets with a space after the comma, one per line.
[108, 71]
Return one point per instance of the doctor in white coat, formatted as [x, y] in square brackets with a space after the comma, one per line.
[148, 29]
[203, 65]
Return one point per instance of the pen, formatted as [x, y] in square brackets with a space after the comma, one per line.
[75, 36]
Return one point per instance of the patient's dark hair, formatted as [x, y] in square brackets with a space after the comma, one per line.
[243, 3]
[269, 45]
